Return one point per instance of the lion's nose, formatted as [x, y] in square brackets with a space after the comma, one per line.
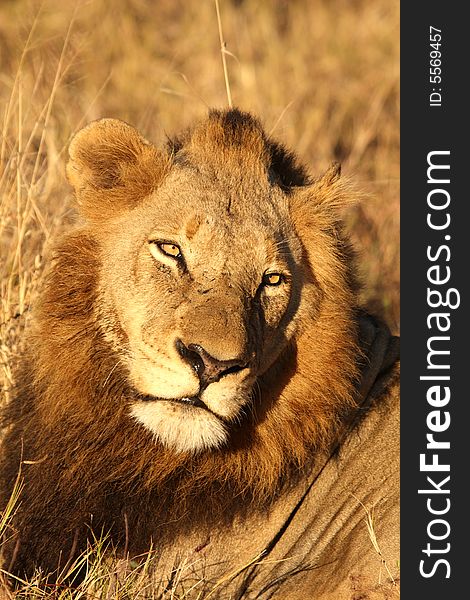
[208, 368]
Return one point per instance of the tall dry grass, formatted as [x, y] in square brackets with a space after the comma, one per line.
[322, 74]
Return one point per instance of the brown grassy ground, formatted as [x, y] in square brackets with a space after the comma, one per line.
[322, 74]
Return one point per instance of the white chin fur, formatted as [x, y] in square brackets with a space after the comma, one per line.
[181, 428]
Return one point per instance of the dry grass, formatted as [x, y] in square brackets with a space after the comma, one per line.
[322, 74]
[370, 524]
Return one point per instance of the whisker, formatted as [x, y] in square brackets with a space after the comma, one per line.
[110, 373]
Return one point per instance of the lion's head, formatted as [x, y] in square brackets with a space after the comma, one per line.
[217, 255]
[195, 344]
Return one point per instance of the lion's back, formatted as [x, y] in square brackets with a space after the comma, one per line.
[349, 526]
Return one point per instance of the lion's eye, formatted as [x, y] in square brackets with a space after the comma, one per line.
[170, 249]
[272, 279]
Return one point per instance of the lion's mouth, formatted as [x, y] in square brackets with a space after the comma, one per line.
[186, 401]
[193, 401]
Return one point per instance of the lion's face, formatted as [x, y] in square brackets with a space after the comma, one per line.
[204, 279]
[203, 293]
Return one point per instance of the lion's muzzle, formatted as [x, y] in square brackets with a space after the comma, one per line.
[207, 368]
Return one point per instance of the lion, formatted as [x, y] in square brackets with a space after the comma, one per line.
[200, 378]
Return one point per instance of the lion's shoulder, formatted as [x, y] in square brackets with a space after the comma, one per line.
[336, 533]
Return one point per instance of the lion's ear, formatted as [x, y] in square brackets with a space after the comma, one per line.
[330, 176]
[324, 198]
[327, 192]
[112, 168]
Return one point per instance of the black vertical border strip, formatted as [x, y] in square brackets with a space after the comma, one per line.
[425, 129]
